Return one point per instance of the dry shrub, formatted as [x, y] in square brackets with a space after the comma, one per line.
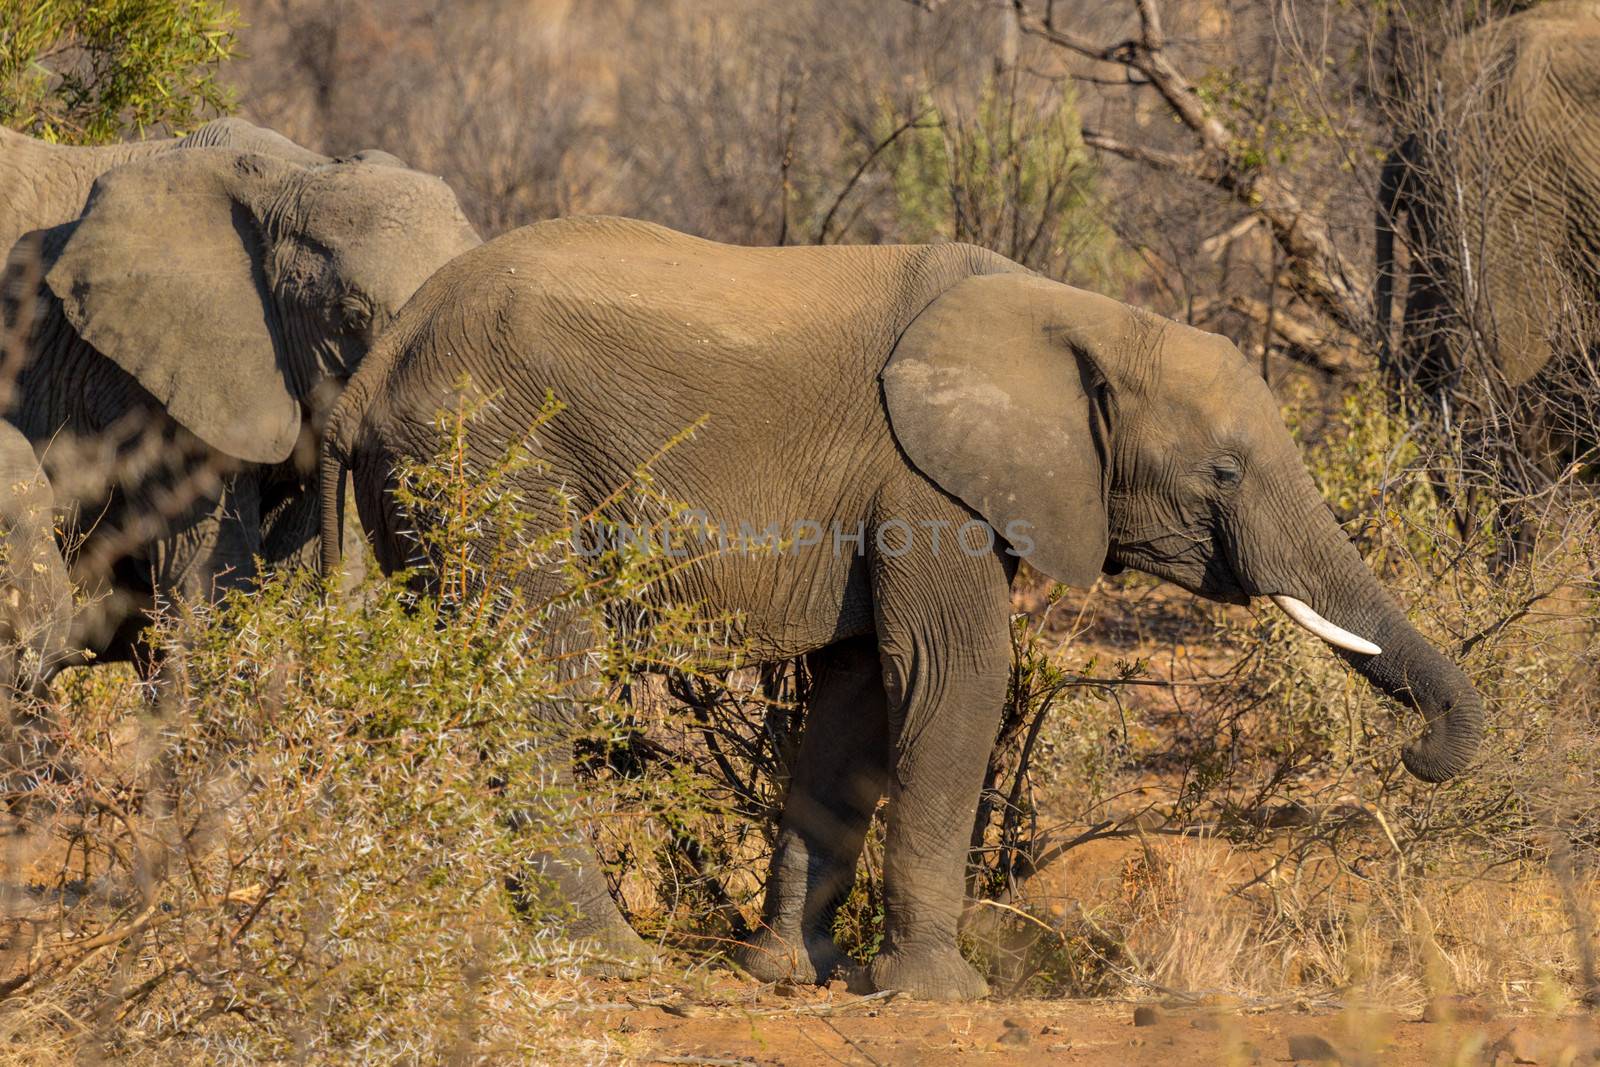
[1320, 868]
[1204, 918]
[312, 837]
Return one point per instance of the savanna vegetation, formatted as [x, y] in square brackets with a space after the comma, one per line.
[311, 842]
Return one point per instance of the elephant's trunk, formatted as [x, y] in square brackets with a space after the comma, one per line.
[338, 446]
[1407, 668]
[1415, 673]
[1296, 552]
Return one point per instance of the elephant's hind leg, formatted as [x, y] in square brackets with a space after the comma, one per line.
[838, 779]
[564, 879]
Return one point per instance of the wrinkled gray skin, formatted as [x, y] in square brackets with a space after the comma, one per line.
[43, 184]
[189, 328]
[35, 592]
[1499, 200]
[862, 385]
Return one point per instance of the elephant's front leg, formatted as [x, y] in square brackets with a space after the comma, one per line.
[215, 550]
[838, 780]
[943, 638]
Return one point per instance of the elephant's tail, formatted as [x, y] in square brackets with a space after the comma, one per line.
[338, 446]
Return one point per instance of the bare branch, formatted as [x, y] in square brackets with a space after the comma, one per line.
[1151, 34]
[913, 123]
[1313, 265]
[1193, 164]
[1303, 342]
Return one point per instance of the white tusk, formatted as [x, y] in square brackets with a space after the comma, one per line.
[1337, 636]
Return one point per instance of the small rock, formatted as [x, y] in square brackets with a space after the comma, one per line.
[1454, 1008]
[1146, 1015]
[1313, 1048]
[1515, 1046]
[682, 1011]
[1051, 1028]
[1060, 1046]
[1015, 1037]
[837, 986]
[788, 989]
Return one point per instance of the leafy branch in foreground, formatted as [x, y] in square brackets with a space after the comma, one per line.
[86, 71]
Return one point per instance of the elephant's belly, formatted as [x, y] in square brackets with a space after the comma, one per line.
[781, 603]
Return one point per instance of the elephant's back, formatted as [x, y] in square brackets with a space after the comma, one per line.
[642, 332]
[704, 315]
[43, 185]
[1546, 58]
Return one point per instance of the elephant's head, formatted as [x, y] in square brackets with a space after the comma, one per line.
[1121, 439]
[232, 285]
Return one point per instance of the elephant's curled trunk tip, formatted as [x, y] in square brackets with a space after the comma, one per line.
[1448, 742]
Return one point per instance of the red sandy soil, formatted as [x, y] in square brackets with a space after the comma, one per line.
[725, 1021]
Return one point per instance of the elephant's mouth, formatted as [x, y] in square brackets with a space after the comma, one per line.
[1222, 582]
[1204, 573]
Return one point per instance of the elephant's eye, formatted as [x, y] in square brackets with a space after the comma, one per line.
[1226, 470]
[355, 314]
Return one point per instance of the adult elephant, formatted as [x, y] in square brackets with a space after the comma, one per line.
[890, 409]
[36, 602]
[1497, 192]
[190, 326]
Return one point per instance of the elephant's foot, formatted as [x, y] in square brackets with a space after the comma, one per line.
[769, 956]
[612, 950]
[927, 973]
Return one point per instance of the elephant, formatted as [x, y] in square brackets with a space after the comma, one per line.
[184, 334]
[36, 601]
[914, 421]
[36, 613]
[1496, 190]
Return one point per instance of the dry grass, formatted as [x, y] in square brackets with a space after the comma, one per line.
[299, 852]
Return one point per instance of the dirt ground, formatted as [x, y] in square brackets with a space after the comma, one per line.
[718, 1020]
[722, 1021]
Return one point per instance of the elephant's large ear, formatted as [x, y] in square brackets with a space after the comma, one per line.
[162, 274]
[990, 398]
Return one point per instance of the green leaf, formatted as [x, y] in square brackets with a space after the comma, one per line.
[94, 71]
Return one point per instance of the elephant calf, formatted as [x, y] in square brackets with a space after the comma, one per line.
[914, 420]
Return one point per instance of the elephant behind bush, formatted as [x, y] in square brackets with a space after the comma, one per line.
[36, 601]
[43, 184]
[1495, 188]
[189, 327]
[910, 421]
